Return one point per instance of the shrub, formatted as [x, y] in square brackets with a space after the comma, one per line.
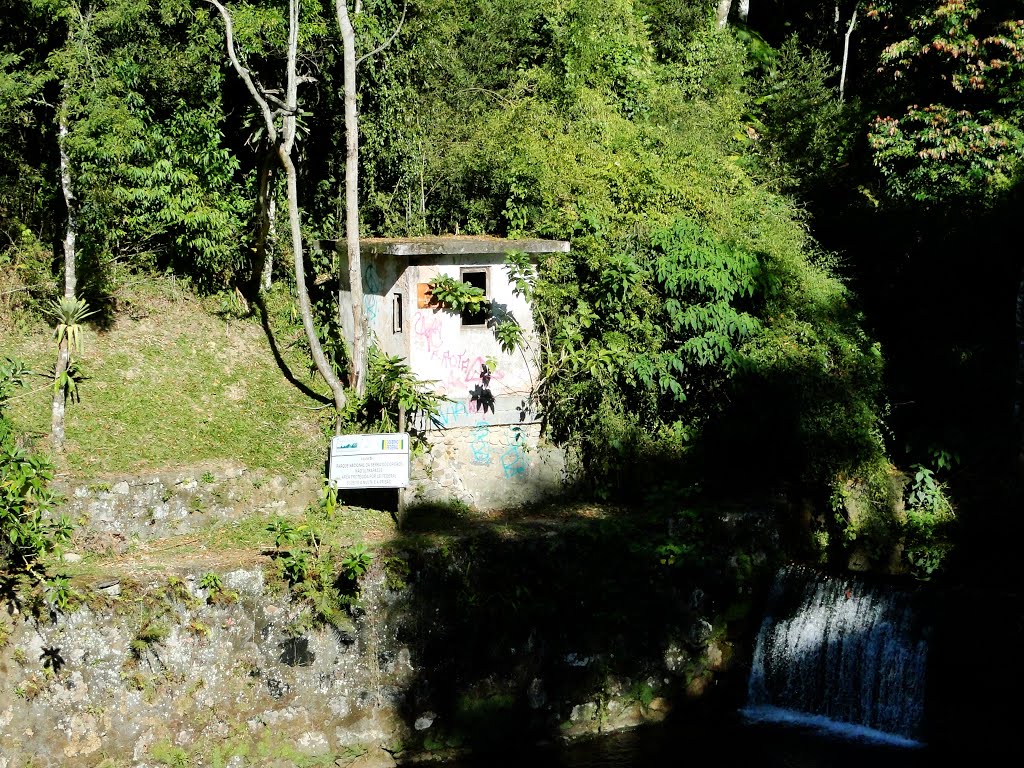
[27, 531]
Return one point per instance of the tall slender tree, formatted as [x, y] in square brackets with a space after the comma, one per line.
[65, 310]
[350, 63]
[284, 141]
[355, 270]
[69, 311]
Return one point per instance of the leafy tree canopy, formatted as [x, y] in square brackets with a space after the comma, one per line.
[693, 301]
[961, 136]
[692, 287]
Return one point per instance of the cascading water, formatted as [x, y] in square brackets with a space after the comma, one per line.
[842, 654]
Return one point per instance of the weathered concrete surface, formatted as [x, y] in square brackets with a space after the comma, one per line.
[488, 467]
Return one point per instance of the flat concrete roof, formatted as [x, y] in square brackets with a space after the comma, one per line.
[452, 245]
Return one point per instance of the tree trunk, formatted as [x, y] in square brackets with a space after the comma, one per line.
[60, 368]
[284, 152]
[267, 275]
[58, 404]
[305, 310]
[264, 265]
[291, 93]
[355, 277]
[70, 204]
[846, 54]
[743, 11]
[284, 144]
[724, 6]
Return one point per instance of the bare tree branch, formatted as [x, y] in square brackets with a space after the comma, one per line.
[846, 54]
[387, 42]
[257, 93]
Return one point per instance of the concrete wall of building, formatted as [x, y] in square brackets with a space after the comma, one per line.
[487, 467]
[487, 450]
[466, 361]
[385, 300]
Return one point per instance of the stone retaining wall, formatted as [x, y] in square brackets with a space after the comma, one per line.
[123, 507]
[146, 675]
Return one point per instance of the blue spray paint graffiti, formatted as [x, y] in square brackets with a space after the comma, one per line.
[513, 460]
[371, 289]
[478, 446]
[452, 412]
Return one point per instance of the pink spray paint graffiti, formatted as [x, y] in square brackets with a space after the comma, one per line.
[462, 370]
[428, 327]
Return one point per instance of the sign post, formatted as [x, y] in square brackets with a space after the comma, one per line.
[369, 461]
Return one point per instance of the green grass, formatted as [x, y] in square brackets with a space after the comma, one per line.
[181, 385]
[228, 545]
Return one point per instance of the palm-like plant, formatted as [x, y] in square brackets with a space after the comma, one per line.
[69, 312]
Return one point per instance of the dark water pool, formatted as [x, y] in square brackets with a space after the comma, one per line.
[737, 742]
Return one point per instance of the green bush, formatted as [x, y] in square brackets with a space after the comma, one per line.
[391, 388]
[323, 579]
[929, 523]
[28, 533]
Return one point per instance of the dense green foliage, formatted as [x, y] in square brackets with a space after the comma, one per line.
[743, 237]
[28, 530]
[691, 284]
[138, 86]
[965, 141]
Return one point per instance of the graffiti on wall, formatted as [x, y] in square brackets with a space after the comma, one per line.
[479, 448]
[428, 327]
[513, 459]
[452, 412]
[371, 289]
[466, 372]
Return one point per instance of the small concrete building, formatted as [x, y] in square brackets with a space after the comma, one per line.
[487, 451]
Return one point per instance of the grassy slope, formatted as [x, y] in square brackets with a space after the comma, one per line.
[177, 383]
[174, 383]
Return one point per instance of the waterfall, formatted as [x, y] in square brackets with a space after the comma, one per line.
[841, 654]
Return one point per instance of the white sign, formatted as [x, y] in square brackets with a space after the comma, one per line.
[369, 461]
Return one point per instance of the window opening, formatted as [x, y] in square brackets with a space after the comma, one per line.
[478, 279]
[396, 312]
